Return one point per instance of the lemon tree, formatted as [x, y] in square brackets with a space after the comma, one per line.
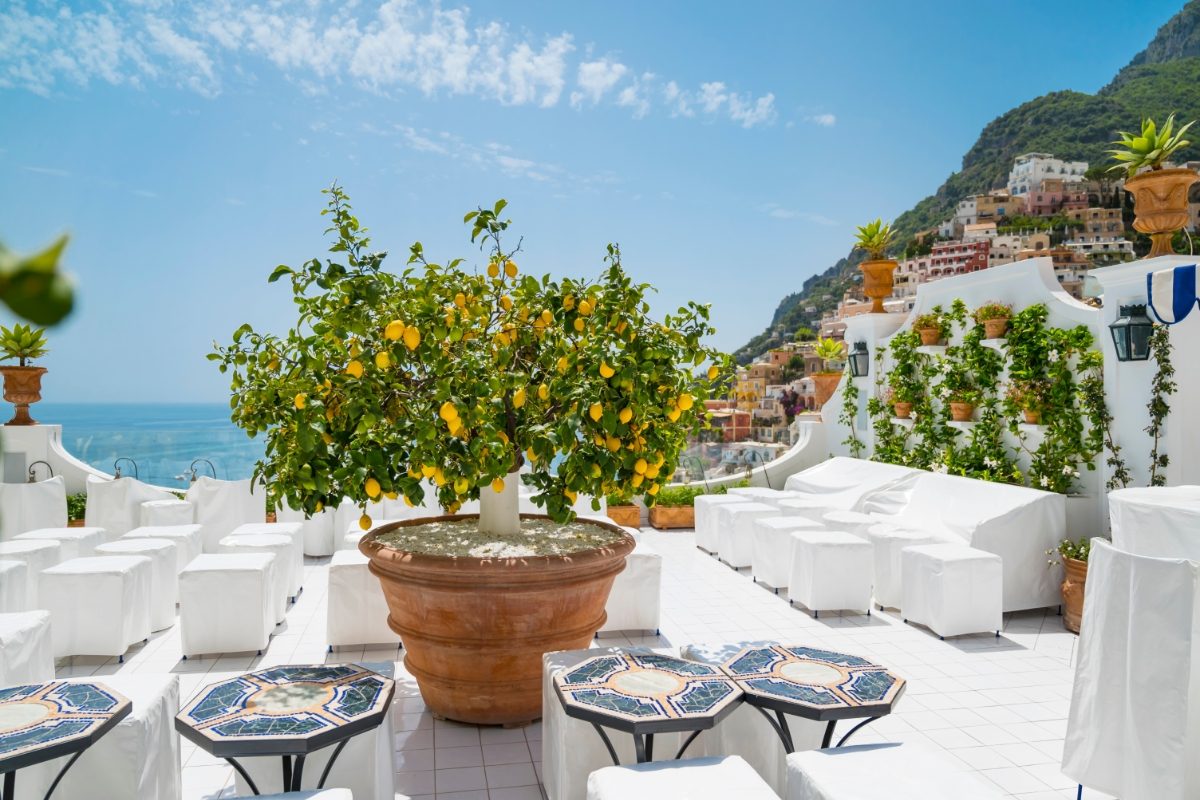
[453, 376]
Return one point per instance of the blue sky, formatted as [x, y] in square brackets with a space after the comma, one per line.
[730, 149]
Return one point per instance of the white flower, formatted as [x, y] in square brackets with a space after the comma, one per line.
[1067, 470]
[939, 468]
[991, 462]
[912, 415]
[1052, 356]
[1045, 481]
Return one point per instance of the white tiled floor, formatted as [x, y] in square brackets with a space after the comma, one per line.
[999, 705]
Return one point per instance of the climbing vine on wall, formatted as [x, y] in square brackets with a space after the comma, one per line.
[848, 414]
[1161, 387]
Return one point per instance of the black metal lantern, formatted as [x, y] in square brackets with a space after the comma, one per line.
[860, 360]
[1131, 333]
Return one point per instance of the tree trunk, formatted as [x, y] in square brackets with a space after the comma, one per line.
[499, 512]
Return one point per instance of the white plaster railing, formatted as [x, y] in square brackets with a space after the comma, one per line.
[809, 450]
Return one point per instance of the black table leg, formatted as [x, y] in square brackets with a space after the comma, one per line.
[10, 784]
[329, 764]
[685, 744]
[828, 733]
[245, 775]
[649, 746]
[297, 773]
[639, 746]
[854, 730]
[608, 743]
[287, 773]
[781, 728]
[8, 795]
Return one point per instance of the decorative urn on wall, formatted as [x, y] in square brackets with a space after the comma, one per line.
[874, 239]
[1160, 195]
[23, 382]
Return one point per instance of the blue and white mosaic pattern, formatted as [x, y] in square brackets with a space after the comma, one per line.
[646, 687]
[292, 702]
[820, 680]
[39, 715]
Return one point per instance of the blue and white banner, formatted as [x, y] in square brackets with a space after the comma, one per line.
[1171, 293]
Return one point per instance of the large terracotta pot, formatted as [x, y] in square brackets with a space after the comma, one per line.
[825, 384]
[474, 629]
[668, 517]
[1074, 578]
[22, 386]
[1160, 203]
[628, 516]
[878, 281]
[995, 328]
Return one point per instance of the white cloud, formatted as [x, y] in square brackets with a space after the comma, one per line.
[824, 120]
[637, 95]
[53, 171]
[187, 54]
[595, 78]
[775, 211]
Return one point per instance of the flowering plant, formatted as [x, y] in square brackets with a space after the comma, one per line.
[992, 310]
[931, 320]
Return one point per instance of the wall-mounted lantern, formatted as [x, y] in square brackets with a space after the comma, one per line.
[1131, 333]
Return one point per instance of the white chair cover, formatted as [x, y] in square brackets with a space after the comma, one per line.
[1134, 726]
[831, 571]
[636, 596]
[294, 532]
[356, 611]
[691, 779]
[164, 577]
[888, 542]
[166, 512]
[704, 508]
[226, 603]
[116, 505]
[317, 532]
[139, 759]
[735, 530]
[884, 771]
[76, 542]
[951, 589]
[774, 548]
[763, 494]
[223, 505]
[98, 606]
[1160, 521]
[38, 555]
[27, 506]
[26, 648]
[186, 539]
[14, 586]
[278, 546]
[843, 483]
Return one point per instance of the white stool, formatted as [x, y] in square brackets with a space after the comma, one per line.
[892, 771]
[735, 531]
[294, 531]
[76, 542]
[99, 605]
[356, 611]
[317, 531]
[226, 603]
[831, 570]
[186, 539]
[14, 586]
[952, 589]
[166, 512]
[693, 779]
[278, 546]
[38, 555]
[634, 602]
[704, 508]
[773, 546]
[164, 581]
[26, 648]
[813, 506]
[888, 541]
[854, 522]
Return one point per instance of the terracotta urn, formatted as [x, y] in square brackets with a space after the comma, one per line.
[1032, 417]
[628, 516]
[962, 412]
[902, 410]
[1160, 204]
[995, 328]
[825, 384]
[475, 629]
[22, 386]
[1074, 578]
[878, 281]
[930, 335]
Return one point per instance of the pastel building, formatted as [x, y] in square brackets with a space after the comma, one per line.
[1031, 169]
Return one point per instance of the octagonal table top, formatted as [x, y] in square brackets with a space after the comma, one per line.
[41, 721]
[646, 693]
[813, 683]
[286, 710]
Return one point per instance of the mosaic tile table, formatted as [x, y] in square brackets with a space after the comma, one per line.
[42, 721]
[815, 684]
[288, 711]
[644, 694]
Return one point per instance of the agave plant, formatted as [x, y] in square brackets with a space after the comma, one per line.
[1150, 149]
[22, 342]
[829, 350]
[875, 238]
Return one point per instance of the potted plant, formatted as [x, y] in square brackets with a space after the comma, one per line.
[76, 509]
[1074, 559]
[931, 328]
[22, 383]
[1160, 196]
[623, 512]
[825, 382]
[874, 239]
[442, 378]
[901, 399]
[962, 403]
[1029, 397]
[673, 507]
[994, 318]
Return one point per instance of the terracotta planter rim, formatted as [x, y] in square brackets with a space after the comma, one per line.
[1171, 172]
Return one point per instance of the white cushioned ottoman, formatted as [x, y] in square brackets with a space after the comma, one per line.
[952, 589]
[735, 531]
[356, 611]
[14, 586]
[294, 531]
[635, 600]
[166, 512]
[76, 542]
[723, 778]
[813, 507]
[278, 546]
[26, 648]
[884, 772]
[185, 537]
[831, 571]
[226, 603]
[848, 521]
[38, 555]
[164, 579]
[888, 542]
[773, 546]
[317, 531]
[704, 508]
[99, 605]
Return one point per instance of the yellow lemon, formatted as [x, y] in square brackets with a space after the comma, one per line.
[408, 502]
[461, 485]
[686, 401]
[596, 470]
[636, 480]
[364, 522]
[585, 308]
[562, 365]
[448, 411]
[373, 488]
[439, 477]
[570, 495]
[354, 369]
[498, 485]
[329, 415]
[506, 302]
[391, 495]
[273, 365]
[493, 270]
[460, 300]
[640, 466]
[595, 411]
[428, 471]
[319, 506]
[519, 397]
[543, 392]
[394, 330]
[599, 440]
[532, 456]
[652, 472]
[612, 443]
[606, 371]
[673, 414]
[547, 317]
[713, 372]
[383, 360]
[625, 415]
[300, 399]
[412, 337]
[653, 490]
[568, 302]
[325, 437]
[660, 460]
[578, 325]
[503, 436]
[510, 269]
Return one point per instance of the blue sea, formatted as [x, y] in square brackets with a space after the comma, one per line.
[163, 439]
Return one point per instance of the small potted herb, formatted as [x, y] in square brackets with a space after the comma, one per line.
[901, 399]
[994, 319]
[962, 404]
[1160, 196]
[1074, 559]
[672, 507]
[831, 352]
[1029, 396]
[874, 239]
[931, 328]
[623, 512]
[23, 382]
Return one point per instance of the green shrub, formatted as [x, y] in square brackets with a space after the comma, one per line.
[76, 505]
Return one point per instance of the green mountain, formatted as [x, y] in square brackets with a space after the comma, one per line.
[1162, 79]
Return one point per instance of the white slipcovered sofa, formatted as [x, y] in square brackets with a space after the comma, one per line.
[845, 483]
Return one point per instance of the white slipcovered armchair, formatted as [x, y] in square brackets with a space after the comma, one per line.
[221, 506]
[116, 505]
[29, 506]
